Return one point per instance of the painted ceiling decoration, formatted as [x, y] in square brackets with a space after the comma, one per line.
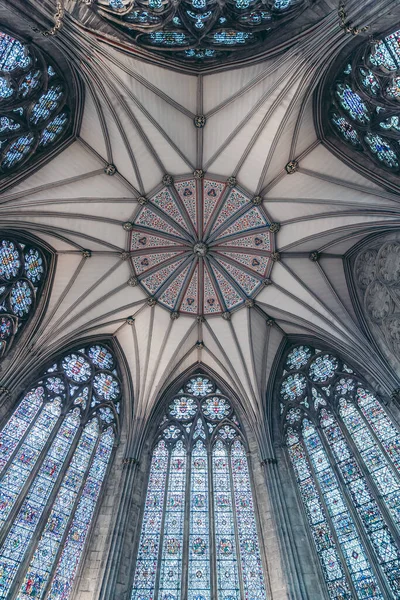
[202, 246]
[362, 101]
[35, 109]
[200, 31]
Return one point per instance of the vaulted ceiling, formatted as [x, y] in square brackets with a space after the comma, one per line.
[139, 117]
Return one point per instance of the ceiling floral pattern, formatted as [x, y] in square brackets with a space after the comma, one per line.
[202, 246]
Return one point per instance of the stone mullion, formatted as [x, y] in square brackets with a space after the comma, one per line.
[21, 496]
[236, 528]
[369, 550]
[164, 511]
[211, 516]
[70, 518]
[186, 528]
[380, 501]
[13, 593]
[330, 522]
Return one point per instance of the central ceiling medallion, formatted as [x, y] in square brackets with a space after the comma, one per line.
[201, 247]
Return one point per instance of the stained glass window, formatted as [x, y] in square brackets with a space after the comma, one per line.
[23, 270]
[34, 99]
[54, 454]
[362, 100]
[344, 446]
[199, 31]
[199, 476]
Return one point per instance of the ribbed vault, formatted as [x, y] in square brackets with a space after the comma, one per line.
[139, 125]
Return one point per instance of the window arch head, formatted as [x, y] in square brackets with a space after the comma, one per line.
[24, 272]
[37, 105]
[54, 454]
[358, 108]
[199, 475]
[344, 448]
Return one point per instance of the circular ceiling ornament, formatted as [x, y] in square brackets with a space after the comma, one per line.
[201, 247]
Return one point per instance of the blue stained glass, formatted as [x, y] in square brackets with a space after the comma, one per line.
[382, 57]
[216, 408]
[391, 124]
[146, 564]
[352, 103]
[293, 387]
[21, 298]
[199, 18]
[199, 386]
[7, 124]
[155, 4]
[382, 150]
[106, 386]
[370, 82]
[5, 89]
[13, 54]
[282, 4]
[46, 104]
[34, 267]
[53, 130]
[116, 4]
[24, 526]
[17, 151]
[199, 534]
[225, 539]
[77, 368]
[42, 562]
[102, 358]
[29, 83]
[183, 408]
[61, 586]
[230, 37]
[358, 565]
[167, 38]
[323, 367]
[200, 53]
[298, 357]
[10, 262]
[172, 546]
[253, 578]
[383, 543]
[346, 129]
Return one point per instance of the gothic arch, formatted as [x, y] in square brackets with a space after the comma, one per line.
[198, 422]
[331, 426]
[41, 101]
[27, 266]
[356, 107]
[53, 468]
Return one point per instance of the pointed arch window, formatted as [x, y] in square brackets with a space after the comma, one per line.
[54, 454]
[362, 98]
[35, 104]
[23, 272]
[199, 536]
[345, 450]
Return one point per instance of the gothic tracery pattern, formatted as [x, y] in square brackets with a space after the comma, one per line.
[34, 104]
[55, 450]
[200, 31]
[365, 102]
[201, 247]
[199, 465]
[23, 271]
[344, 450]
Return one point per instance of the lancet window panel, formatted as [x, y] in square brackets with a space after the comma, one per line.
[55, 450]
[344, 449]
[24, 269]
[36, 103]
[358, 111]
[199, 537]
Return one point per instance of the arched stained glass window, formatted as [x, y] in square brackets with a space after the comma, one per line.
[199, 536]
[344, 449]
[200, 31]
[23, 271]
[34, 104]
[54, 453]
[362, 96]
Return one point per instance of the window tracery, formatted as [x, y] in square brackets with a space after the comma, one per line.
[364, 104]
[199, 535]
[343, 447]
[23, 272]
[55, 450]
[199, 31]
[34, 104]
